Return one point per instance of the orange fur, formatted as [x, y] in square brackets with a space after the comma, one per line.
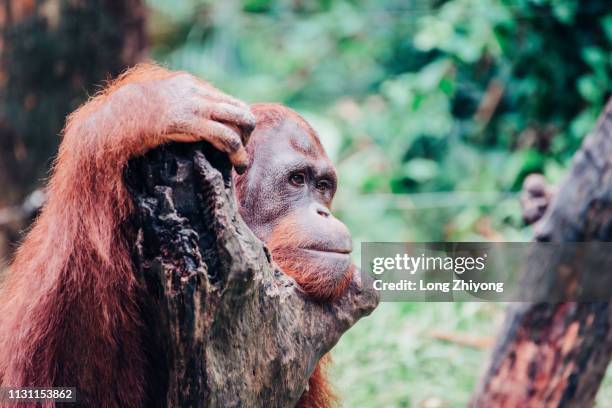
[285, 239]
[270, 114]
[319, 393]
[69, 306]
[69, 312]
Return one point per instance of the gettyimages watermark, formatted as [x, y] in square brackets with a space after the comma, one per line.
[475, 271]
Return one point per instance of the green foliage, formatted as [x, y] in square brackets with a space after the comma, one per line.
[402, 363]
[434, 112]
[460, 96]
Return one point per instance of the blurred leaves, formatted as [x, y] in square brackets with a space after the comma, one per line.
[434, 112]
[413, 97]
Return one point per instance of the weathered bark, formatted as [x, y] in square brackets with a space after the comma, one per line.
[53, 54]
[556, 354]
[228, 329]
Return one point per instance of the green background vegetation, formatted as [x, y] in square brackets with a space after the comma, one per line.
[434, 112]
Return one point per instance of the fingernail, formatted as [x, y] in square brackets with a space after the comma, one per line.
[241, 168]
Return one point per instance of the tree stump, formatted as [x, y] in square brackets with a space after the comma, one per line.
[229, 328]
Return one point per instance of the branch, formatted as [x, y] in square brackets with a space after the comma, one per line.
[228, 327]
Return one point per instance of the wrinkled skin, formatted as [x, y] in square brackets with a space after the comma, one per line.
[285, 198]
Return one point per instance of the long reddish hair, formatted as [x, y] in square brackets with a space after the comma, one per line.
[69, 305]
[69, 313]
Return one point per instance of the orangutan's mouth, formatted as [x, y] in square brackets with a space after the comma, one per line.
[329, 250]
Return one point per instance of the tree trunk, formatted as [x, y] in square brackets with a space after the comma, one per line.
[53, 53]
[228, 328]
[556, 354]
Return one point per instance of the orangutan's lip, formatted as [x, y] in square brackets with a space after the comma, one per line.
[329, 250]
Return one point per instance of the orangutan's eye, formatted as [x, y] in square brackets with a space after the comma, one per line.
[323, 185]
[297, 179]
